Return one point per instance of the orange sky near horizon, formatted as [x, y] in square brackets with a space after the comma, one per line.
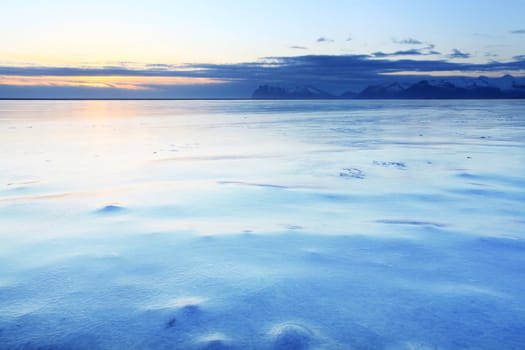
[110, 81]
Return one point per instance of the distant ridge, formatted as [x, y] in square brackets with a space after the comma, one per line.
[304, 92]
[506, 87]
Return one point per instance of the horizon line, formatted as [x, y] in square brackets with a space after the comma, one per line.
[244, 99]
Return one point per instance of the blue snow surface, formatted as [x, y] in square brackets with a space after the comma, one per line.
[262, 225]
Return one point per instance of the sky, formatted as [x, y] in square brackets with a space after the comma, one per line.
[198, 48]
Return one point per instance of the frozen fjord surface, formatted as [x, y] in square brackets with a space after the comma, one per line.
[262, 224]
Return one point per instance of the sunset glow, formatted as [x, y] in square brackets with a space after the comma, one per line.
[119, 82]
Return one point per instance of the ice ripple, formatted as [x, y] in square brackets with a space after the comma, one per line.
[186, 303]
[214, 341]
[255, 184]
[291, 336]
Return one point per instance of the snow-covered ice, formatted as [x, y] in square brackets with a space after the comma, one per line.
[262, 224]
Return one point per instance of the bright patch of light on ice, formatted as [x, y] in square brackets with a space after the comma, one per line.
[177, 303]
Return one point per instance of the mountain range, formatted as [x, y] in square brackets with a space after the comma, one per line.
[506, 87]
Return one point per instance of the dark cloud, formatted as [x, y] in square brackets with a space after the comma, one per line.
[411, 52]
[458, 54]
[414, 52]
[427, 50]
[518, 31]
[343, 69]
[298, 47]
[324, 40]
[334, 73]
[314, 65]
[408, 41]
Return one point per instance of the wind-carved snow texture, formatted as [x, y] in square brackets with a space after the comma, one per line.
[274, 225]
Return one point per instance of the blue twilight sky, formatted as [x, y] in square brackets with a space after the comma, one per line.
[179, 48]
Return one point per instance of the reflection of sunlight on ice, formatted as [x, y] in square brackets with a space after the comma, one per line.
[214, 338]
[178, 303]
[413, 345]
[21, 308]
[466, 289]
